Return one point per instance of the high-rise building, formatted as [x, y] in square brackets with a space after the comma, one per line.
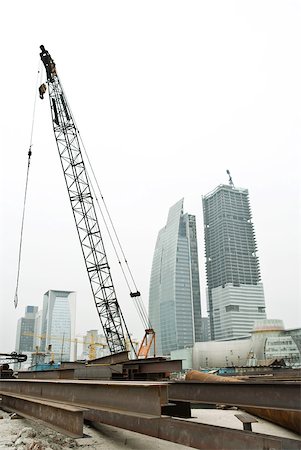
[94, 345]
[205, 335]
[38, 330]
[174, 297]
[235, 296]
[58, 324]
[25, 330]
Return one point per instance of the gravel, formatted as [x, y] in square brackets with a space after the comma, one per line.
[24, 434]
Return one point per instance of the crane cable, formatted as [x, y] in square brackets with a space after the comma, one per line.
[138, 304]
[25, 193]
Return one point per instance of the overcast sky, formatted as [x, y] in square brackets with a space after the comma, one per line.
[167, 95]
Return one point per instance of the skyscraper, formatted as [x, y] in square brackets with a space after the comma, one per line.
[25, 330]
[174, 298]
[235, 296]
[58, 324]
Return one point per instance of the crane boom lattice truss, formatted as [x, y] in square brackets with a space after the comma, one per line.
[83, 209]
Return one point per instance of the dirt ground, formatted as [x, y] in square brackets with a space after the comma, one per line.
[23, 434]
[17, 433]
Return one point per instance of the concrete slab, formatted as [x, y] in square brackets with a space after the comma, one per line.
[226, 418]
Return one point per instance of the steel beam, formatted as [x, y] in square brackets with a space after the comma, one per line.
[140, 396]
[63, 418]
[154, 365]
[137, 406]
[56, 374]
[134, 397]
[95, 372]
[274, 395]
[116, 358]
[193, 434]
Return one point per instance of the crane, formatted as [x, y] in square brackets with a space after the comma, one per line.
[91, 343]
[80, 196]
[6, 359]
[230, 178]
[81, 200]
[13, 357]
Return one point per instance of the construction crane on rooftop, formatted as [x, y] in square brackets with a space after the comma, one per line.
[230, 178]
[82, 204]
[91, 344]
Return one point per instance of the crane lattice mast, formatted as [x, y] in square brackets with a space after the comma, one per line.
[77, 182]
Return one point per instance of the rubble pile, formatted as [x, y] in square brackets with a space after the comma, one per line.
[17, 435]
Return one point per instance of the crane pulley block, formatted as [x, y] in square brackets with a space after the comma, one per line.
[42, 90]
[135, 294]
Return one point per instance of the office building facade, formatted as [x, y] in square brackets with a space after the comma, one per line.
[58, 324]
[205, 335]
[174, 297]
[235, 295]
[26, 330]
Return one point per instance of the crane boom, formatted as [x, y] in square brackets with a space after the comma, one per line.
[13, 357]
[77, 182]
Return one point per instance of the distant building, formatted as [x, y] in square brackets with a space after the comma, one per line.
[205, 333]
[174, 298]
[268, 341]
[235, 296]
[94, 345]
[25, 330]
[37, 331]
[58, 324]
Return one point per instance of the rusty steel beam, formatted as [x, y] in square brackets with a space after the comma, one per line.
[106, 367]
[193, 434]
[275, 395]
[116, 358]
[131, 395]
[63, 418]
[56, 374]
[154, 365]
[133, 406]
[135, 397]
[101, 372]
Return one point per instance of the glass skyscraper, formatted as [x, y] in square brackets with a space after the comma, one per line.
[25, 330]
[235, 296]
[174, 297]
[58, 324]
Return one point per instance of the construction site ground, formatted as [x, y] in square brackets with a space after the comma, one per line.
[22, 434]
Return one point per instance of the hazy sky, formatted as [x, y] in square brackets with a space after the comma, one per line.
[167, 95]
